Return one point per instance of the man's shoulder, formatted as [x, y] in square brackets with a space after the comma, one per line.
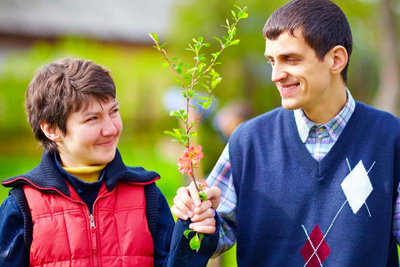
[377, 117]
[263, 119]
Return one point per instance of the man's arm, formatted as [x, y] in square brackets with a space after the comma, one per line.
[12, 248]
[221, 176]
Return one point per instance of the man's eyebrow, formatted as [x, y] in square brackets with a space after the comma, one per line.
[289, 54]
[89, 113]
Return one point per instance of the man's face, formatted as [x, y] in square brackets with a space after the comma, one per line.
[92, 135]
[301, 78]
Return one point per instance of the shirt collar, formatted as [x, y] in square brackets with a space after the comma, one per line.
[335, 126]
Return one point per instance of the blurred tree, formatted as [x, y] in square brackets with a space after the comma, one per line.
[389, 86]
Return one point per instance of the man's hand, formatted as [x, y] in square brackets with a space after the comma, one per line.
[187, 204]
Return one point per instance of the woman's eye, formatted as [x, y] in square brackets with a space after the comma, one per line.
[115, 110]
[91, 119]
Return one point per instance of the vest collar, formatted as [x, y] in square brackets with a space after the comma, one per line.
[47, 177]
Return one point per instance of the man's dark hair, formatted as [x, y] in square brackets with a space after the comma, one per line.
[323, 23]
[63, 87]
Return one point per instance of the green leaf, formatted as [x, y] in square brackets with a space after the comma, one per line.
[200, 39]
[201, 66]
[165, 64]
[187, 232]
[175, 58]
[171, 134]
[194, 40]
[215, 55]
[203, 98]
[178, 133]
[215, 82]
[197, 47]
[202, 58]
[207, 44]
[217, 63]
[205, 86]
[163, 45]
[195, 243]
[191, 70]
[242, 15]
[207, 105]
[175, 114]
[177, 80]
[193, 134]
[216, 38]
[234, 14]
[235, 42]
[201, 235]
[238, 7]
[179, 70]
[154, 37]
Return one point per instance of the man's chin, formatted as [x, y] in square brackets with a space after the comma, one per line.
[289, 105]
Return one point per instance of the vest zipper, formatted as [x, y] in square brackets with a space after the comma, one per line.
[93, 231]
[92, 224]
[94, 239]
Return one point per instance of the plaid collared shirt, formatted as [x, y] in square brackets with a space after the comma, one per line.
[318, 139]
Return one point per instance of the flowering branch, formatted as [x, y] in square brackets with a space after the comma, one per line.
[189, 77]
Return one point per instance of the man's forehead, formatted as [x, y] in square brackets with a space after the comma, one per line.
[286, 43]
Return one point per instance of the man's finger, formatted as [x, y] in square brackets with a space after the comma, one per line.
[213, 194]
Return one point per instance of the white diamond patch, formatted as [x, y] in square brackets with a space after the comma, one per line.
[357, 187]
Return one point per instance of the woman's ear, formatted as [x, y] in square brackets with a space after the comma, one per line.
[339, 58]
[50, 132]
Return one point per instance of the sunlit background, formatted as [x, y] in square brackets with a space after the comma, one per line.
[114, 34]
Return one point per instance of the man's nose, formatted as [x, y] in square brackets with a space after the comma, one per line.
[278, 73]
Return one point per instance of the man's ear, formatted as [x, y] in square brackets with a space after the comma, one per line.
[339, 59]
[50, 132]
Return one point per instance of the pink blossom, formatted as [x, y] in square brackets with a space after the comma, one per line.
[184, 164]
[190, 157]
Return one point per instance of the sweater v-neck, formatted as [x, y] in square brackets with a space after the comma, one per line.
[318, 168]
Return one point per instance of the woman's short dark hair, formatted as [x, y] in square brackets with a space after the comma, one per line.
[63, 87]
[323, 24]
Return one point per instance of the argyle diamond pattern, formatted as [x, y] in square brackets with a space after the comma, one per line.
[357, 187]
[323, 250]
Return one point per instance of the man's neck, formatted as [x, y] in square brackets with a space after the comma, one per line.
[330, 104]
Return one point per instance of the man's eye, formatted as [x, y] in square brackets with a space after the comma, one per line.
[292, 59]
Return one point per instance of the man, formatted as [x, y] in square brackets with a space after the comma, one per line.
[313, 183]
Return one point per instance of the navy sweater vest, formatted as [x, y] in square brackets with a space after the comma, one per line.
[295, 211]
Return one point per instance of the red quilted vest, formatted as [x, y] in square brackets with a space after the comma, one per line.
[65, 234]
